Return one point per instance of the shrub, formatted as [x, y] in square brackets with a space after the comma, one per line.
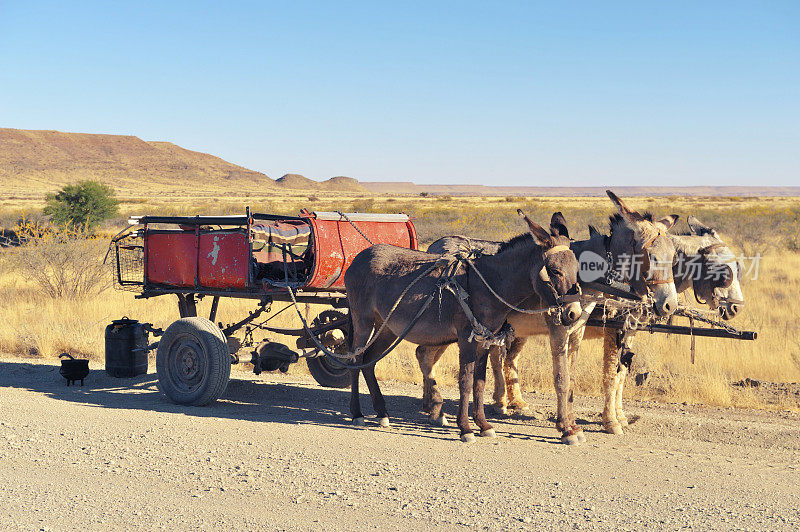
[62, 262]
[84, 204]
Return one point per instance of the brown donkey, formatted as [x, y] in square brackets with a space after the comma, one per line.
[387, 287]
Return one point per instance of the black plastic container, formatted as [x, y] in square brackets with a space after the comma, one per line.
[126, 348]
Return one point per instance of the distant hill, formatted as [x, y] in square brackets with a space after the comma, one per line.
[46, 160]
[35, 162]
[334, 184]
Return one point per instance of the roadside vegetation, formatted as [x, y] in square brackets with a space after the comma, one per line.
[56, 295]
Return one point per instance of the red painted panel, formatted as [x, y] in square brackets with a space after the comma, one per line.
[336, 244]
[172, 257]
[224, 259]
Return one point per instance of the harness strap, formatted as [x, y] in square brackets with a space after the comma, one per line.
[556, 249]
[480, 332]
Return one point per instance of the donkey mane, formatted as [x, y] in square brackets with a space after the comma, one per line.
[616, 219]
[690, 244]
[514, 242]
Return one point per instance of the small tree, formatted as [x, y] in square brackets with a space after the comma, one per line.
[84, 204]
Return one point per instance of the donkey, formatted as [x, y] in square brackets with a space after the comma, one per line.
[702, 262]
[631, 233]
[706, 264]
[383, 277]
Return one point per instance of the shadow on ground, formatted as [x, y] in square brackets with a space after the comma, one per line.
[290, 401]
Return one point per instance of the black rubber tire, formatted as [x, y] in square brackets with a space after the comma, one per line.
[193, 362]
[327, 373]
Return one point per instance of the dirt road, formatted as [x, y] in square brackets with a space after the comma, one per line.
[278, 453]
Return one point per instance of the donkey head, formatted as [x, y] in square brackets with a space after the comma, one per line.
[717, 281]
[643, 253]
[557, 274]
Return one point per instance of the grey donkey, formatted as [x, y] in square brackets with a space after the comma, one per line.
[541, 270]
[631, 234]
[702, 262]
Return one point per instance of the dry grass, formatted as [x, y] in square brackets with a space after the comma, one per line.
[38, 325]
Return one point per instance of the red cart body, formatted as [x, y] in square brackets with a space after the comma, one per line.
[220, 254]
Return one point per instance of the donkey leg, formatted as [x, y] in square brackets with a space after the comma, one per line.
[425, 361]
[478, 387]
[437, 416]
[573, 345]
[496, 357]
[621, 375]
[428, 357]
[378, 402]
[561, 382]
[361, 331]
[515, 400]
[466, 371]
[610, 363]
[621, 417]
[355, 402]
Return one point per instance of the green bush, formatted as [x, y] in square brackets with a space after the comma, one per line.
[84, 204]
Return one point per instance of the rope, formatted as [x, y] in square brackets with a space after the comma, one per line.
[337, 358]
[343, 215]
[333, 357]
[480, 333]
[498, 296]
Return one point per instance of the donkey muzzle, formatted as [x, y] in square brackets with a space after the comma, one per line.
[571, 313]
[666, 307]
[729, 310]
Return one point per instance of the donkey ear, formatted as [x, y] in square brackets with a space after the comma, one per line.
[697, 227]
[593, 232]
[626, 212]
[668, 221]
[540, 236]
[558, 225]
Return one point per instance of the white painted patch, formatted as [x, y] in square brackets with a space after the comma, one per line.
[214, 251]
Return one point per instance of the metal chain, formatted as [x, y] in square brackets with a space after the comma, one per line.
[693, 313]
[612, 274]
[343, 215]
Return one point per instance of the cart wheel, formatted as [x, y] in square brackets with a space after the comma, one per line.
[328, 374]
[193, 362]
[324, 371]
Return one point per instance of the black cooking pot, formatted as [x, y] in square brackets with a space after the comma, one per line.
[73, 369]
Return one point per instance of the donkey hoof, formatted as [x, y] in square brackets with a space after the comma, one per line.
[488, 433]
[570, 439]
[613, 428]
[500, 409]
[440, 421]
[468, 437]
[520, 407]
[358, 421]
[384, 422]
[581, 436]
[623, 420]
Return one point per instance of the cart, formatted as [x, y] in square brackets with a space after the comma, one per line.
[265, 257]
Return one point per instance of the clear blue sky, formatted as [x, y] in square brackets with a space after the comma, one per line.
[504, 93]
